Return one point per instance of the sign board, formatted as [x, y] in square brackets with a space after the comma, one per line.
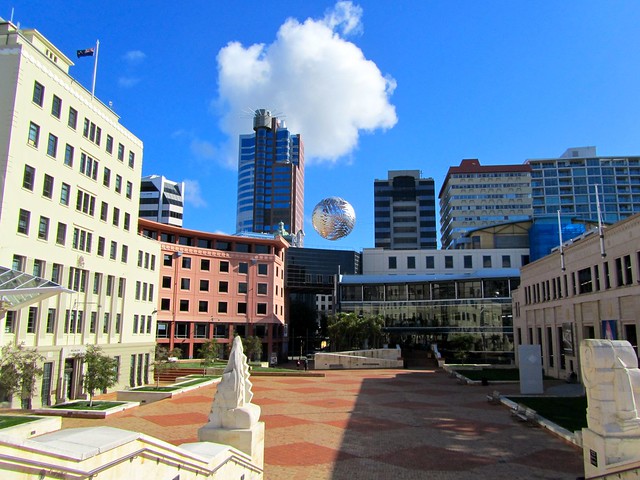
[530, 365]
[273, 361]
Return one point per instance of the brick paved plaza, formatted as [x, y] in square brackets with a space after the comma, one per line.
[376, 424]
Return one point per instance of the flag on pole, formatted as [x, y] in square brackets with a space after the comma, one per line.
[87, 52]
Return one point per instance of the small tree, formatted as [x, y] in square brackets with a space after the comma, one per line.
[101, 371]
[209, 352]
[161, 361]
[19, 369]
[252, 347]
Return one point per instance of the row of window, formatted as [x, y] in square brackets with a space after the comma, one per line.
[223, 286]
[223, 265]
[204, 330]
[222, 307]
[586, 280]
[74, 322]
[90, 130]
[467, 260]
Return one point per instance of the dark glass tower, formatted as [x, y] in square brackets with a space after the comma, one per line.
[405, 211]
[270, 177]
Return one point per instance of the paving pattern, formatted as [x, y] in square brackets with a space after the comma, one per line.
[376, 424]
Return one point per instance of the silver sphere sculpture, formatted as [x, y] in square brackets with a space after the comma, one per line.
[333, 218]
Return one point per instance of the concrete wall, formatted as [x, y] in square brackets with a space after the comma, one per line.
[376, 358]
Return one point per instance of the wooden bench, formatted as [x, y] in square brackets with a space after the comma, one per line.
[525, 414]
[494, 397]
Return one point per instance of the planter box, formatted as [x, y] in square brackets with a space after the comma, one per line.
[70, 412]
[37, 427]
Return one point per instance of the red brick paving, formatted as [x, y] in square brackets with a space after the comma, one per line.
[398, 424]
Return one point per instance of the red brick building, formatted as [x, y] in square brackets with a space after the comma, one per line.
[214, 285]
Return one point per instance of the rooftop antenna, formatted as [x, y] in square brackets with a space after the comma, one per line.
[562, 266]
[600, 232]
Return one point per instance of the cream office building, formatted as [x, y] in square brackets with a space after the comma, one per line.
[596, 295]
[69, 191]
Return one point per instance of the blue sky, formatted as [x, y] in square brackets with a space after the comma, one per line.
[372, 86]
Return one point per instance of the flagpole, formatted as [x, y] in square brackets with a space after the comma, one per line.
[95, 69]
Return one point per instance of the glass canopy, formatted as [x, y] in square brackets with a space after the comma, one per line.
[19, 289]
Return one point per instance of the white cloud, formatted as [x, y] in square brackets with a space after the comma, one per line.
[203, 149]
[192, 194]
[323, 84]
[128, 82]
[134, 56]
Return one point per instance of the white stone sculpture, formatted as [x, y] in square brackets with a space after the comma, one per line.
[232, 407]
[611, 377]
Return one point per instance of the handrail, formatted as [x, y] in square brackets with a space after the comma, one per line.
[617, 472]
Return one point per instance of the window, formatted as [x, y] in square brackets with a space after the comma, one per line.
[110, 279]
[184, 305]
[167, 260]
[65, 191]
[120, 152]
[185, 284]
[47, 188]
[91, 131]
[132, 159]
[186, 262]
[82, 240]
[34, 134]
[18, 263]
[113, 251]
[10, 322]
[129, 190]
[222, 307]
[23, 221]
[97, 282]
[223, 287]
[506, 261]
[118, 184]
[56, 272]
[261, 309]
[68, 155]
[205, 265]
[166, 282]
[116, 216]
[105, 324]
[118, 324]
[393, 263]
[73, 118]
[31, 320]
[88, 166]
[242, 287]
[43, 228]
[224, 266]
[242, 307]
[101, 244]
[109, 144]
[262, 289]
[61, 235]
[411, 262]
[52, 145]
[468, 261]
[106, 177]
[204, 285]
[263, 269]
[430, 262]
[124, 253]
[28, 177]
[85, 203]
[448, 261]
[38, 268]
[203, 306]
[38, 93]
[165, 304]
[56, 106]
[51, 320]
[104, 211]
[127, 222]
[486, 261]
[243, 268]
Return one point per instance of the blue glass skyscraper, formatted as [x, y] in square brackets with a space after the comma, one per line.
[270, 178]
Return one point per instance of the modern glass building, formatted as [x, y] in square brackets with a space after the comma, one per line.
[270, 177]
[161, 200]
[568, 184]
[474, 195]
[405, 211]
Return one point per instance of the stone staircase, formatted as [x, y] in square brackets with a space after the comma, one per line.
[171, 374]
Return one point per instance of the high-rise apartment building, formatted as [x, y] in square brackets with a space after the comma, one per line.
[69, 190]
[568, 184]
[161, 200]
[405, 211]
[474, 195]
[270, 177]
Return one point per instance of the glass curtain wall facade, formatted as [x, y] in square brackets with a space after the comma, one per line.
[405, 211]
[270, 177]
[434, 309]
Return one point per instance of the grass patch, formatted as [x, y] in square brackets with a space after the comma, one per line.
[567, 412]
[195, 381]
[84, 405]
[155, 389]
[492, 374]
[7, 421]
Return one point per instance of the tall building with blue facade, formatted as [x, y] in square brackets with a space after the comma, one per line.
[568, 184]
[270, 178]
[405, 211]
